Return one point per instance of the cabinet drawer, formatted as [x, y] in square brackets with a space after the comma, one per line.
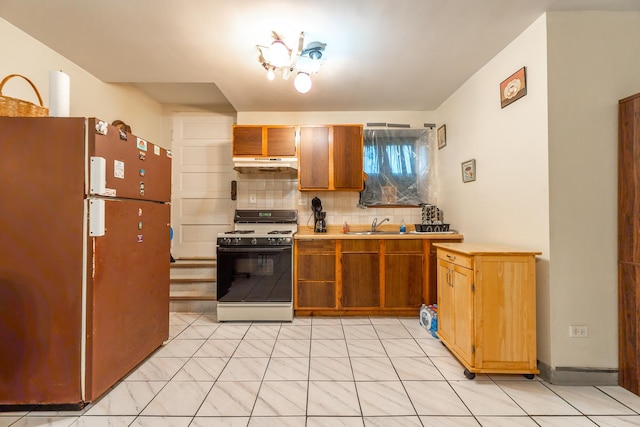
[316, 245]
[403, 245]
[455, 258]
[360, 245]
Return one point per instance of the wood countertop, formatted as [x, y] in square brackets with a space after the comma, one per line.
[484, 249]
[335, 232]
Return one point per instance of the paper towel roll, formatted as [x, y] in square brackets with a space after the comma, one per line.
[59, 93]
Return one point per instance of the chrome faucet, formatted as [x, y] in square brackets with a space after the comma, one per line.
[375, 224]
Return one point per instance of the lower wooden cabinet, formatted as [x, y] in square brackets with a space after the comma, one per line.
[404, 273]
[487, 307]
[360, 273]
[315, 266]
[363, 276]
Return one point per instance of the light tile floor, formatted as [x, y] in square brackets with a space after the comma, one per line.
[328, 372]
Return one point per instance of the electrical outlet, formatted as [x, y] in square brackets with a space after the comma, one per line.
[578, 331]
[252, 198]
[301, 202]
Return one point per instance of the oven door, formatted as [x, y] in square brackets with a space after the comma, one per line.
[254, 274]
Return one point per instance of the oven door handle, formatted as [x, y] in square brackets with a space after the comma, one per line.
[254, 249]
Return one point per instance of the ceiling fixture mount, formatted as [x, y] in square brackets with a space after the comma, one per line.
[304, 60]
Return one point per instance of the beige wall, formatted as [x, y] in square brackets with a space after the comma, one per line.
[508, 202]
[22, 54]
[593, 63]
[547, 170]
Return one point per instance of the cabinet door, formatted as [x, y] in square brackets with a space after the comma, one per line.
[348, 157]
[247, 140]
[403, 272]
[281, 141]
[313, 172]
[446, 302]
[360, 280]
[463, 313]
[455, 308]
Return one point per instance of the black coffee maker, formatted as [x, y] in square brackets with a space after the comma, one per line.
[320, 225]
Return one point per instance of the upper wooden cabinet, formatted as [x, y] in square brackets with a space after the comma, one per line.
[331, 158]
[264, 141]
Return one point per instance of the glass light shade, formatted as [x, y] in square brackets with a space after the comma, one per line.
[302, 82]
[279, 54]
[271, 74]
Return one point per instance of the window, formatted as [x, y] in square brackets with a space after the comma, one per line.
[397, 164]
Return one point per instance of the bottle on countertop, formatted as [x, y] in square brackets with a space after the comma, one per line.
[403, 227]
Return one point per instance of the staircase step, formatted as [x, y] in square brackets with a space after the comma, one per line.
[192, 279]
[193, 285]
[192, 296]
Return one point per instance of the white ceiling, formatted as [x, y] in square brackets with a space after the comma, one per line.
[381, 55]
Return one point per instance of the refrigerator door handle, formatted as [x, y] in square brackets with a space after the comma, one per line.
[96, 217]
[98, 174]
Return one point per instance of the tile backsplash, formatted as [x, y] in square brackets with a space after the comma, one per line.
[276, 191]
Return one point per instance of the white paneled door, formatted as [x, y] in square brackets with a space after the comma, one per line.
[202, 170]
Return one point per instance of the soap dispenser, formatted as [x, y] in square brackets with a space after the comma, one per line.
[403, 227]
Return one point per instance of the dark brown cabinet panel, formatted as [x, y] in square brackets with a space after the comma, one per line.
[360, 280]
[404, 273]
[313, 172]
[629, 243]
[281, 141]
[403, 280]
[247, 140]
[264, 141]
[348, 157]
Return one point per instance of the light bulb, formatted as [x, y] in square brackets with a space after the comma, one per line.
[270, 74]
[302, 82]
[279, 54]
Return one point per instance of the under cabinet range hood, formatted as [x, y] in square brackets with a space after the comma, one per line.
[265, 164]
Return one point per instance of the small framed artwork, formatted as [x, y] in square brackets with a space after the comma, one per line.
[513, 87]
[469, 170]
[442, 136]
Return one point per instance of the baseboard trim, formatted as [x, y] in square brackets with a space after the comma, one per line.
[568, 375]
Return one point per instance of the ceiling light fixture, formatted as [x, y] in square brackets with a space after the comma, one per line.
[304, 60]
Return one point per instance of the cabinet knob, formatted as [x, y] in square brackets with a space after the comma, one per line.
[451, 257]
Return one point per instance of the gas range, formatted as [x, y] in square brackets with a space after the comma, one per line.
[261, 227]
[255, 266]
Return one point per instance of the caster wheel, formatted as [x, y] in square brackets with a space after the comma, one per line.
[529, 376]
[469, 375]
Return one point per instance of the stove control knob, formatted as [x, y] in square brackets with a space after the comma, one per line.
[226, 240]
[236, 241]
[254, 241]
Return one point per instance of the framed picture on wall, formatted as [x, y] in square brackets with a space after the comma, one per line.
[442, 136]
[513, 87]
[469, 170]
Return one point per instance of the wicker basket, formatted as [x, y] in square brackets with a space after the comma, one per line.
[13, 107]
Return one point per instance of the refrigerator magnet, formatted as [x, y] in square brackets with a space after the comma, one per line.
[169, 153]
[101, 127]
[123, 135]
[140, 238]
[156, 150]
[142, 155]
[141, 188]
[139, 211]
[142, 172]
[139, 225]
[142, 144]
[118, 169]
